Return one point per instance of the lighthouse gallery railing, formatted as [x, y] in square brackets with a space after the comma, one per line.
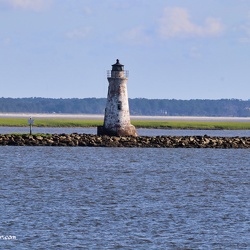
[111, 73]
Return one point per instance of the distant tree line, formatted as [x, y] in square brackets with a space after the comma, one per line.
[138, 106]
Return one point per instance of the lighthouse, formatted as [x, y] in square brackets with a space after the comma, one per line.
[117, 116]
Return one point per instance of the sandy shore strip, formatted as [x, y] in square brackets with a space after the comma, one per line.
[100, 117]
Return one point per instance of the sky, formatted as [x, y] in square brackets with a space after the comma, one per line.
[173, 49]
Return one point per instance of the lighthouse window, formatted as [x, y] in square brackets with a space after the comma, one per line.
[119, 106]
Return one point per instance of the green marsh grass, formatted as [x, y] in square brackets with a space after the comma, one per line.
[21, 122]
[206, 125]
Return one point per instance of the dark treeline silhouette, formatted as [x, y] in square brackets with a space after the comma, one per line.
[138, 106]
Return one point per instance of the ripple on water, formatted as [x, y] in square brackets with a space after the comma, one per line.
[111, 198]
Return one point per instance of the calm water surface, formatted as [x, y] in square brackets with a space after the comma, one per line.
[124, 198]
[142, 132]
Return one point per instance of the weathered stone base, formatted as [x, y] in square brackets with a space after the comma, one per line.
[125, 131]
[87, 140]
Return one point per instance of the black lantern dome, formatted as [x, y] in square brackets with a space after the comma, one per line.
[117, 66]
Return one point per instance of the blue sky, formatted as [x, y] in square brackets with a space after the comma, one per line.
[173, 49]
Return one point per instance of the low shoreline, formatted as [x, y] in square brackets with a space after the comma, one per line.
[133, 117]
[89, 140]
[153, 123]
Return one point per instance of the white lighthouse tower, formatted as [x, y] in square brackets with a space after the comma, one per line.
[117, 117]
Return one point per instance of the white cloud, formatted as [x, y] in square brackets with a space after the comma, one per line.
[245, 38]
[87, 11]
[35, 5]
[246, 27]
[79, 33]
[135, 36]
[176, 22]
[6, 41]
[195, 52]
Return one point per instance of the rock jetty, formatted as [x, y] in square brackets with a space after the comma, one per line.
[88, 140]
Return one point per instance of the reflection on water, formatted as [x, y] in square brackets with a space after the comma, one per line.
[6, 130]
[142, 132]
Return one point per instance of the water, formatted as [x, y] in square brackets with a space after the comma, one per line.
[142, 132]
[124, 198]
